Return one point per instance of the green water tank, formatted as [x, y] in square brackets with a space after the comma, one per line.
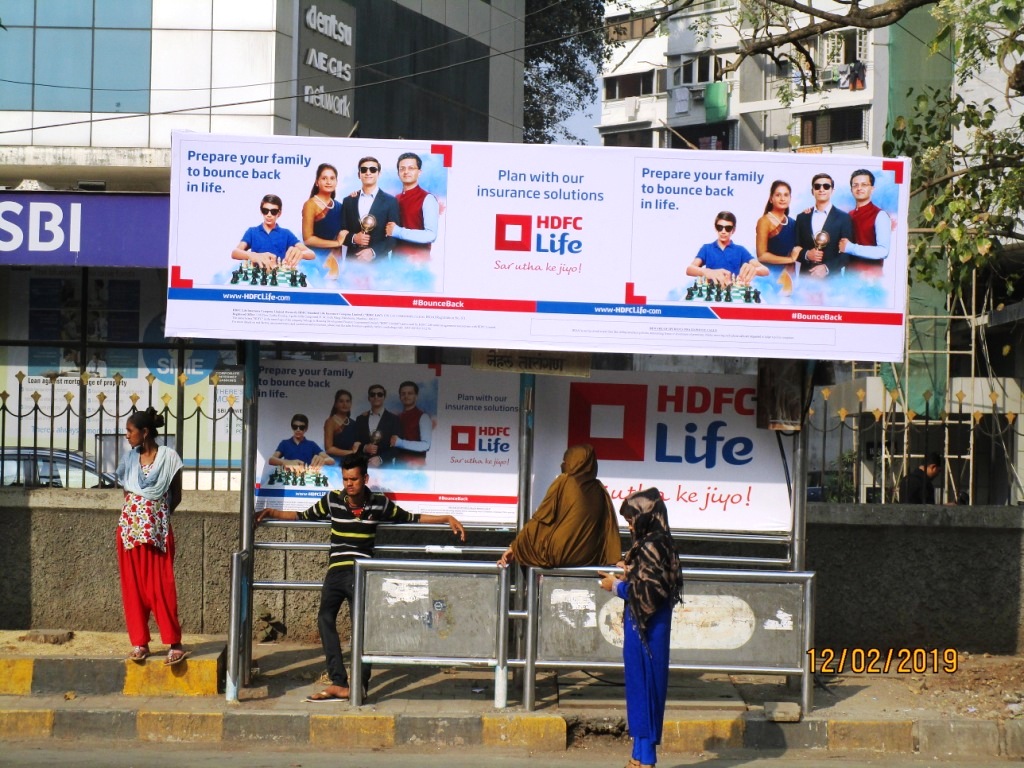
[716, 102]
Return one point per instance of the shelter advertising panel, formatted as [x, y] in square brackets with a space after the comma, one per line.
[438, 440]
[538, 247]
[692, 437]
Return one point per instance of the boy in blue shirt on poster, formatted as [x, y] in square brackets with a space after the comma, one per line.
[724, 261]
[268, 245]
[296, 452]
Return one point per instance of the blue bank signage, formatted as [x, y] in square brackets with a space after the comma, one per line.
[83, 229]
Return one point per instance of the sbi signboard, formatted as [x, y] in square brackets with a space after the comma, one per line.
[79, 229]
[326, 67]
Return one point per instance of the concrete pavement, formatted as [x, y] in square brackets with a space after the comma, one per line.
[46, 693]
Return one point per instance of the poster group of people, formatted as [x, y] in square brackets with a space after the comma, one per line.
[820, 242]
[384, 437]
[364, 225]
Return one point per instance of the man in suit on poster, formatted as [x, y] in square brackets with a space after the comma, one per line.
[368, 239]
[375, 428]
[819, 231]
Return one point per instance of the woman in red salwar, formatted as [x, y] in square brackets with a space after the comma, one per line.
[151, 477]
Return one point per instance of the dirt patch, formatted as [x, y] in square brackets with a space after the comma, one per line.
[101, 645]
[983, 686]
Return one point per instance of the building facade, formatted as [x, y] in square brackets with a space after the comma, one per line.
[92, 90]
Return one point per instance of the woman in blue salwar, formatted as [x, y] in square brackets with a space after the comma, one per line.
[651, 584]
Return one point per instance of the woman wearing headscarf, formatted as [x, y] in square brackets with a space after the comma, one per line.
[651, 585]
[574, 525]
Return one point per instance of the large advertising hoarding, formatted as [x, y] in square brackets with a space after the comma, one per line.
[541, 247]
[445, 439]
[692, 437]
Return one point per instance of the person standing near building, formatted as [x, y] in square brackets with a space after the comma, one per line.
[917, 488]
[151, 477]
[651, 585]
[354, 512]
[418, 211]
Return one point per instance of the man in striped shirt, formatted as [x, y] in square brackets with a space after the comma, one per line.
[354, 512]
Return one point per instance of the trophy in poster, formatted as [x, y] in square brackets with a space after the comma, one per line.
[821, 240]
[375, 439]
[368, 223]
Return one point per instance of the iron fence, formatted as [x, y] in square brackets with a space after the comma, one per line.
[67, 431]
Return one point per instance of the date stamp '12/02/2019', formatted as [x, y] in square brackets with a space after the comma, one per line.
[879, 661]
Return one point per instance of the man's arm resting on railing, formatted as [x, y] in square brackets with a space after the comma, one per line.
[275, 514]
[448, 520]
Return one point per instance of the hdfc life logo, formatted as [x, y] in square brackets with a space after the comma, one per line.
[482, 438]
[613, 418]
[554, 234]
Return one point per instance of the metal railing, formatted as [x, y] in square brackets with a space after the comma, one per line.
[66, 432]
[503, 628]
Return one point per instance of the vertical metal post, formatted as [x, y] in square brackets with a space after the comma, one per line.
[807, 679]
[530, 667]
[800, 499]
[501, 652]
[249, 354]
[527, 392]
[355, 682]
[232, 680]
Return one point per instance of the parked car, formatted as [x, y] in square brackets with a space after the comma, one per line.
[46, 468]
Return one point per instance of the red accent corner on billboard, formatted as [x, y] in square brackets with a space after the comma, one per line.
[632, 298]
[177, 281]
[445, 150]
[896, 166]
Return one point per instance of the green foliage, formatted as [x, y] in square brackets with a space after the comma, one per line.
[565, 49]
[839, 480]
[968, 182]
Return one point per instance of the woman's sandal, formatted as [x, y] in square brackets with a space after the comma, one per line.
[139, 653]
[175, 655]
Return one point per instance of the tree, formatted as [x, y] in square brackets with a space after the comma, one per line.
[565, 49]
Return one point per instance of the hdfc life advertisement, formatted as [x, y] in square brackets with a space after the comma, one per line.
[538, 247]
[438, 440]
[692, 437]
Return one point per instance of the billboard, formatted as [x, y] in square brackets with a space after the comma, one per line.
[539, 247]
[445, 439]
[692, 437]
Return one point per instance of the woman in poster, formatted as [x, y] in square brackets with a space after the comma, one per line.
[651, 585]
[340, 427]
[321, 219]
[151, 477]
[776, 240]
[575, 523]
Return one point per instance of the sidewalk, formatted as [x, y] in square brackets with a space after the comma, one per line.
[87, 690]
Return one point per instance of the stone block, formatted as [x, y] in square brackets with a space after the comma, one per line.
[958, 738]
[538, 733]
[355, 730]
[896, 736]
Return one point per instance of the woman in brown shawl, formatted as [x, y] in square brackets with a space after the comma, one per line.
[574, 525]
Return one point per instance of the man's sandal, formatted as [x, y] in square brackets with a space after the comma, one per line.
[139, 653]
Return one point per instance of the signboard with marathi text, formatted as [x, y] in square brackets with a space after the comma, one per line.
[483, 245]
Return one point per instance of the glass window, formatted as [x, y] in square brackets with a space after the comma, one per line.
[63, 70]
[63, 13]
[121, 81]
[124, 14]
[16, 68]
[18, 13]
[66, 471]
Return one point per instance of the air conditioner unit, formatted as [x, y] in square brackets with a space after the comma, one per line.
[697, 93]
